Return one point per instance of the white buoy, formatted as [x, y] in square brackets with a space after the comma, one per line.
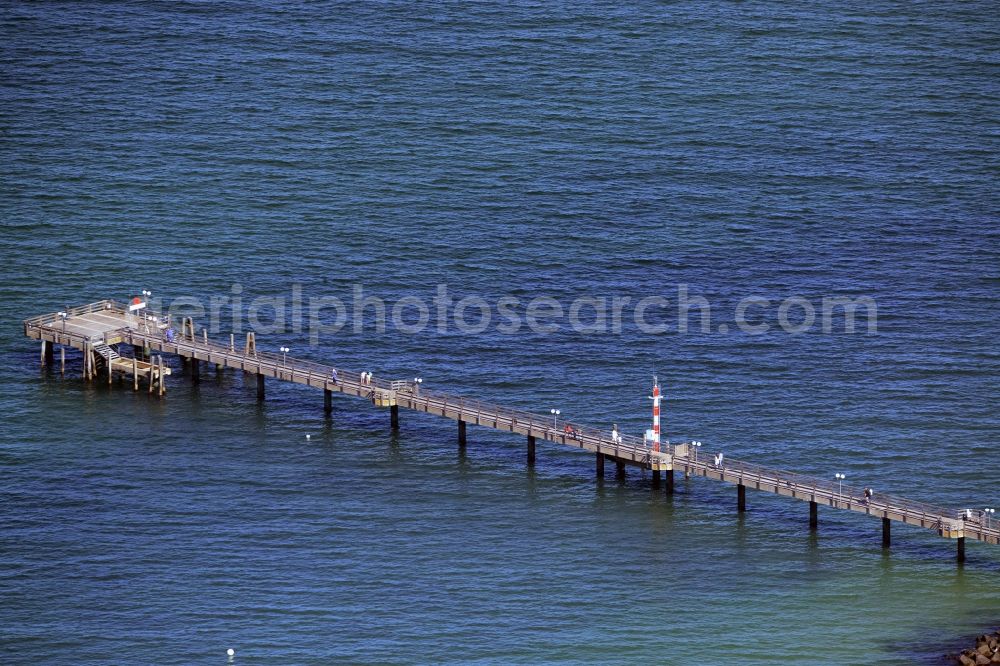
[308, 436]
[230, 652]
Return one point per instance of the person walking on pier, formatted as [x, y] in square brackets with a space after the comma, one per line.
[334, 378]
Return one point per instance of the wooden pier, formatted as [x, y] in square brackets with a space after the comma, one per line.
[99, 329]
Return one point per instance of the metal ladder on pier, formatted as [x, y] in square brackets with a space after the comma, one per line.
[109, 354]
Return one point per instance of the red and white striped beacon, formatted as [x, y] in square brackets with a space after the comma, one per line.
[654, 434]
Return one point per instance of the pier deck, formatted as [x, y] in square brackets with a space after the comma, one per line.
[108, 323]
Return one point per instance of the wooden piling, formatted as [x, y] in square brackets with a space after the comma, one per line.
[741, 498]
[961, 549]
[656, 478]
[461, 434]
[394, 417]
[162, 376]
[62, 360]
[886, 529]
[531, 450]
[620, 470]
[600, 466]
[669, 478]
[813, 516]
[195, 367]
[327, 401]
[135, 374]
[260, 387]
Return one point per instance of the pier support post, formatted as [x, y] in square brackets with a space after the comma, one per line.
[195, 366]
[62, 360]
[531, 450]
[135, 374]
[260, 388]
[394, 417]
[656, 478]
[741, 498]
[110, 371]
[461, 434]
[670, 481]
[961, 549]
[813, 516]
[886, 532]
[600, 466]
[327, 401]
[47, 352]
[620, 470]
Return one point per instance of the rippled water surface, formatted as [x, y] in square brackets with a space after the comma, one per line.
[521, 149]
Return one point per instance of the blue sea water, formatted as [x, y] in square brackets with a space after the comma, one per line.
[528, 150]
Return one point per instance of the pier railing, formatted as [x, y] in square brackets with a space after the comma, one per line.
[749, 473]
[629, 448]
[279, 364]
[543, 426]
[99, 306]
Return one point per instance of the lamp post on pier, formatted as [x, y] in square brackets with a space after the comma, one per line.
[555, 415]
[989, 516]
[840, 482]
[694, 449]
[145, 304]
[64, 316]
[284, 352]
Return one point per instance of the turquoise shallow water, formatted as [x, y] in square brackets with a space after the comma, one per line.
[518, 150]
